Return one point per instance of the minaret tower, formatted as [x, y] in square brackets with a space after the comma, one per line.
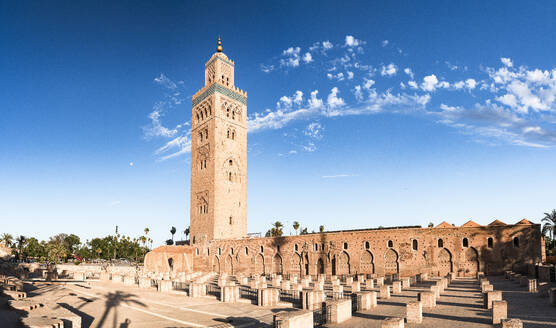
[218, 154]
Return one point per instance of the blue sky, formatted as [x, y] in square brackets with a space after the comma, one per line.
[361, 114]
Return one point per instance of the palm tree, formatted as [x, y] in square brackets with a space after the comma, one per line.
[147, 231]
[550, 224]
[321, 228]
[295, 226]
[278, 226]
[186, 231]
[20, 243]
[7, 239]
[173, 231]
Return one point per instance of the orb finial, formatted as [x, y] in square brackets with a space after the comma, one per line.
[219, 48]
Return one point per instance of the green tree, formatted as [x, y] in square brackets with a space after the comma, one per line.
[169, 242]
[20, 244]
[7, 239]
[173, 231]
[321, 228]
[56, 251]
[186, 231]
[304, 231]
[549, 227]
[33, 248]
[72, 243]
[431, 225]
[295, 226]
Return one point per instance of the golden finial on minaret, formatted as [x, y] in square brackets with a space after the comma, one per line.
[219, 48]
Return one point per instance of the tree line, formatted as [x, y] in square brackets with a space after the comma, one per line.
[63, 248]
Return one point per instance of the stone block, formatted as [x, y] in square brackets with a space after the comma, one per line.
[229, 294]
[544, 273]
[499, 311]
[144, 282]
[384, 292]
[379, 281]
[164, 286]
[427, 299]
[286, 285]
[366, 300]
[197, 289]
[370, 284]
[532, 285]
[361, 278]
[312, 299]
[435, 290]
[487, 288]
[355, 287]
[244, 280]
[414, 312]
[267, 296]
[349, 280]
[406, 283]
[79, 276]
[104, 276]
[129, 280]
[396, 287]
[543, 288]
[116, 277]
[392, 323]
[294, 319]
[512, 323]
[340, 310]
[489, 297]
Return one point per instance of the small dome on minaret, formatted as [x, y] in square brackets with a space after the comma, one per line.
[219, 47]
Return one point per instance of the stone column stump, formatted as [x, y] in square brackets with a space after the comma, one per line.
[355, 287]
[340, 310]
[532, 285]
[229, 294]
[164, 286]
[384, 292]
[427, 299]
[396, 287]
[406, 283]
[197, 289]
[499, 311]
[414, 312]
[367, 300]
[370, 284]
[435, 290]
[491, 296]
[294, 319]
[129, 280]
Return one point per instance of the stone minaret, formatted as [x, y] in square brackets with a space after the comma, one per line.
[218, 155]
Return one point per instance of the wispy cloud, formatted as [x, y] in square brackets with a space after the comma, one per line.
[339, 176]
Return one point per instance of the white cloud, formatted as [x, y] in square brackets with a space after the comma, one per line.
[115, 203]
[339, 176]
[385, 43]
[413, 85]
[310, 147]
[389, 70]
[131, 164]
[307, 58]
[507, 62]
[333, 100]
[409, 72]
[350, 75]
[508, 100]
[337, 77]
[368, 84]
[298, 97]
[429, 83]
[315, 102]
[314, 131]
[351, 41]
[267, 68]
[164, 81]
[470, 84]
[291, 57]
[327, 45]
[357, 92]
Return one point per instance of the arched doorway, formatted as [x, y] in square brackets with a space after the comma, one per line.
[366, 264]
[320, 266]
[229, 265]
[216, 264]
[470, 264]
[342, 264]
[277, 264]
[295, 265]
[391, 265]
[334, 266]
[171, 264]
[306, 264]
[444, 262]
[259, 264]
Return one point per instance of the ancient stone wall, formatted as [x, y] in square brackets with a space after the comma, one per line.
[407, 251]
[170, 259]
